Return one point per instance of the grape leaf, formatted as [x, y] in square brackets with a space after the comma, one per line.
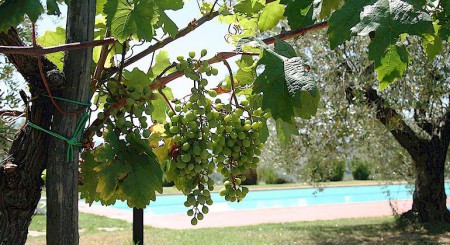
[270, 16]
[99, 6]
[247, 72]
[392, 65]
[12, 12]
[328, 6]
[136, 79]
[52, 7]
[299, 12]
[248, 7]
[162, 61]
[162, 152]
[285, 130]
[160, 105]
[109, 175]
[89, 178]
[167, 24]
[170, 4]
[388, 19]
[54, 38]
[126, 19]
[145, 177]
[343, 20]
[301, 87]
[432, 44]
[287, 87]
[285, 49]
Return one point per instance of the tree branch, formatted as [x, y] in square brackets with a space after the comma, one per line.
[388, 116]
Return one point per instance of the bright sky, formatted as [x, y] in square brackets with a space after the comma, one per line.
[209, 36]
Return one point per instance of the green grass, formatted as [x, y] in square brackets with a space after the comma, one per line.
[343, 231]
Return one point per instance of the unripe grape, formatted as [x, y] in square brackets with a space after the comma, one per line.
[180, 58]
[223, 192]
[199, 216]
[146, 133]
[190, 212]
[194, 221]
[203, 52]
[192, 54]
[205, 209]
[214, 71]
[130, 101]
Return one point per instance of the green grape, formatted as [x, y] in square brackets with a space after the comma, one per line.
[212, 93]
[190, 212]
[194, 221]
[192, 54]
[130, 101]
[185, 146]
[203, 52]
[223, 192]
[205, 209]
[214, 71]
[199, 216]
[101, 116]
[146, 133]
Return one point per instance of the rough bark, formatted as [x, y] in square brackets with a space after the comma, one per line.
[20, 173]
[62, 176]
[428, 154]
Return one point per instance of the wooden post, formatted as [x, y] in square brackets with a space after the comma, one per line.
[138, 226]
[62, 176]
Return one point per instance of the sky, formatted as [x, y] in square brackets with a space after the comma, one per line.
[209, 36]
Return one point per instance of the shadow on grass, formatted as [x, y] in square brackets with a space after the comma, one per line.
[386, 233]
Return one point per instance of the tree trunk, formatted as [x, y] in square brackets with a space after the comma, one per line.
[429, 199]
[428, 154]
[62, 176]
[20, 173]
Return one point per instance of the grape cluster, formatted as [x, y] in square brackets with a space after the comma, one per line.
[133, 116]
[190, 128]
[212, 135]
[238, 146]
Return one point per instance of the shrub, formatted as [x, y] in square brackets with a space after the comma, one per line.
[337, 170]
[360, 170]
[269, 175]
[317, 169]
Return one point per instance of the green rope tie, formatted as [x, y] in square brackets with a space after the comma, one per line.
[78, 131]
[70, 142]
[70, 101]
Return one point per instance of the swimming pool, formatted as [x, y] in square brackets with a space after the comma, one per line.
[173, 204]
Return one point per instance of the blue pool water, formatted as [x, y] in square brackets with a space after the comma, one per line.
[173, 204]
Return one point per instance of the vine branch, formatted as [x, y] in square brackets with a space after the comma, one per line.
[167, 100]
[37, 50]
[233, 92]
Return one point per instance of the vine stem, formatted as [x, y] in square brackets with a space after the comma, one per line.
[167, 100]
[37, 50]
[100, 64]
[233, 92]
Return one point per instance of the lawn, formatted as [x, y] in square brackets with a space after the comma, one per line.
[100, 230]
